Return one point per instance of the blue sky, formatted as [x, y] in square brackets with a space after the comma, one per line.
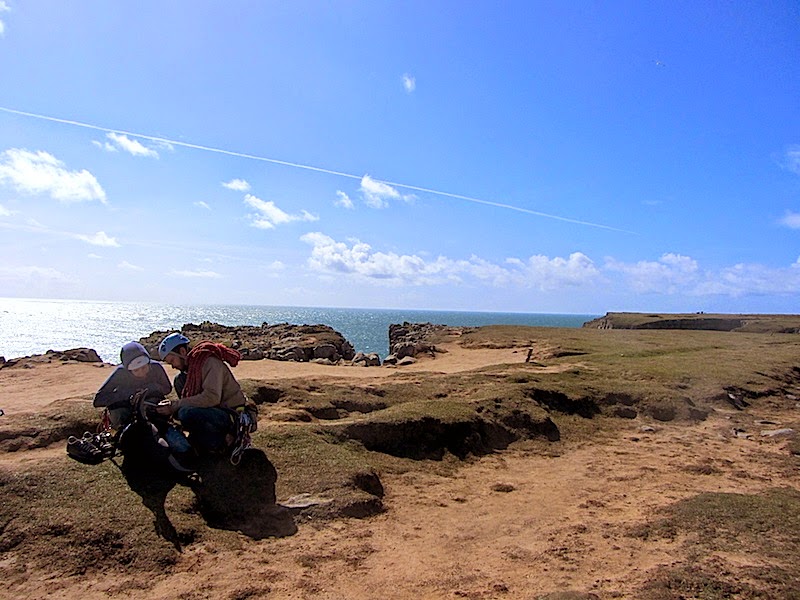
[565, 157]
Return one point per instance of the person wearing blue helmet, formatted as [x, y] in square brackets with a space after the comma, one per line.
[208, 393]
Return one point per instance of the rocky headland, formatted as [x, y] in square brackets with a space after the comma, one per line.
[746, 323]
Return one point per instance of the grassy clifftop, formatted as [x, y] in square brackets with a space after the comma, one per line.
[749, 323]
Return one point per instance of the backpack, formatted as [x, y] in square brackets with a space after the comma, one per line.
[143, 440]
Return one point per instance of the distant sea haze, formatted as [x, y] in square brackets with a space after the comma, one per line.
[29, 326]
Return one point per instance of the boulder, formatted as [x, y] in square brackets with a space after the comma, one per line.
[367, 360]
[295, 353]
[414, 339]
[248, 354]
[326, 351]
[79, 354]
[625, 412]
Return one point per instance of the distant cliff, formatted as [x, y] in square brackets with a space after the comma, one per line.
[705, 321]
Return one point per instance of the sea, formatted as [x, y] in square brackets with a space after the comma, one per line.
[34, 326]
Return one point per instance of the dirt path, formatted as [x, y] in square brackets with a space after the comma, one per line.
[513, 525]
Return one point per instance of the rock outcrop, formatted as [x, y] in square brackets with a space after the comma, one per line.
[418, 339]
[301, 343]
[74, 354]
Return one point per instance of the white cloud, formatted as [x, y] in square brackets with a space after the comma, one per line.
[129, 267]
[674, 274]
[5, 212]
[196, 274]
[120, 141]
[202, 204]
[671, 274]
[792, 159]
[94, 256]
[358, 259]
[328, 255]
[378, 194]
[343, 200]
[791, 220]
[3, 8]
[237, 185]
[99, 239]
[268, 215]
[42, 173]
[29, 273]
[545, 273]
[164, 145]
[409, 83]
[754, 279]
[105, 146]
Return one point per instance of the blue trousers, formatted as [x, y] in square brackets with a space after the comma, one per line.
[207, 427]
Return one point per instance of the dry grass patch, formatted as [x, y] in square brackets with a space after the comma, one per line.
[720, 532]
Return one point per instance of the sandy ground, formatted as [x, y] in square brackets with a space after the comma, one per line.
[516, 524]
[30, 389]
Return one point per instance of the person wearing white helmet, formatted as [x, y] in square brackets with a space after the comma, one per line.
[208, 393]
[136, 372]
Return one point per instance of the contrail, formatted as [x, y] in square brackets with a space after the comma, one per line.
[307, 168]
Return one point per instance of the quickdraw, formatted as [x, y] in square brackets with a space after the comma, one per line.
[244, 425]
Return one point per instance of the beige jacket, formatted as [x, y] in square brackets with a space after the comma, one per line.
[220, 388]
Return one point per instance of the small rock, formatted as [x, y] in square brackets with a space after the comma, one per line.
[503, 487]
[322, 361]
[777, 432]
[569, 595]
[305, 501]
[647, 429]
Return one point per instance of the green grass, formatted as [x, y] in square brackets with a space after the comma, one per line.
[765, 527]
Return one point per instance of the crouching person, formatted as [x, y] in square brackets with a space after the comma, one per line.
[136, 372]
[208, 393]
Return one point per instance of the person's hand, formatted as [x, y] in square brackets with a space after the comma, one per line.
[165, 408]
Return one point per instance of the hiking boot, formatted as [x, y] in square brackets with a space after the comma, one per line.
[84, 451]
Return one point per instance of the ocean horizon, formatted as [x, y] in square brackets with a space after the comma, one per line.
[34, 326]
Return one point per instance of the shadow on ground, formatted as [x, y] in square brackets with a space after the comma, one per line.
[235, 498]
